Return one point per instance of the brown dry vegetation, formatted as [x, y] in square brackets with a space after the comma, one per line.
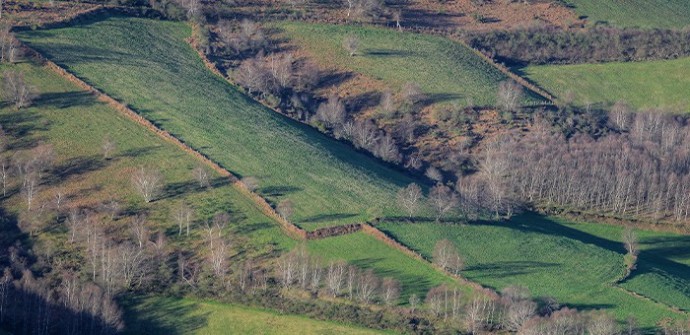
[33, 13]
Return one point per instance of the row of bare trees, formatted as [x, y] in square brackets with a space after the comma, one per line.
[299, 269]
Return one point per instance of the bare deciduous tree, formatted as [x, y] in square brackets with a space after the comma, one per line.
[621, 115]
[367, 286]
[148, 182]
[412, 93]
[285, 209]
[202, 176]
[335, 276]
[602, 324]
[509, 96]
[443, 200]
[140, 230]
[108, 147]
[409, 198]
[351, 45]
[630, 242]
[183, 216]
[332, 113]
[446, 256]
[390, 291]
[16, 90]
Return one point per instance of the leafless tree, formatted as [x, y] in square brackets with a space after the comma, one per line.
[387, 104]
[510, 95]
[351, 45]
[287, 269]
[412, 93]
[517, 310]
[183, 216]
[5, 174]
[108, 147]
[409, 198]
[446, 256]
[390, 291]
[621, 115]
[414, 302]
[148, 182]
[16, 90]
[387, 149]
[434, 174]
[602, 324]
[478, 314]
[202, 175]
[398, 17]
[367, 286]
[285, 209]
[140, 230]
[443, 200]
[351, 281]
[332, 113]
[30, 184]
[631, 244]
[251, 183]
[59, 197]
[335, 276]
[75, 220]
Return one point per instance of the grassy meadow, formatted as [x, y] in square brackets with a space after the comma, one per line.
[147, 65]
[445, 70]
[576, 264]
[75, 124]
[646, 14]
[170, 316]
[651, 84]
[365, 251]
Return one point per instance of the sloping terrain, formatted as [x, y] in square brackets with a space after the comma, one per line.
[647, 14]
[653, 84]
[571, 263]
[446, 71]
[147, 65]
[167, 316]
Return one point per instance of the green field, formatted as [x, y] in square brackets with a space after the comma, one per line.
[652, 84]
[147, 65]
[447, 71]
[75, 123]
[168, 316]
[637, 13]
[576, 264]
[365, 251]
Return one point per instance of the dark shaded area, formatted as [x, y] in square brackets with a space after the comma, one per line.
[384, 53]
[508, 269]
[278, 191]
[363, 101]
[75, 167]
[65, 99]
[328, 217]
[162, 316]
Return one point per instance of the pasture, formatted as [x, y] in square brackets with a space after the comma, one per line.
[577, 264]
[147, 65]
[651, 84]
[366, 252]
[446, 71]
[645, 14]
[170, 316]
[75, 123]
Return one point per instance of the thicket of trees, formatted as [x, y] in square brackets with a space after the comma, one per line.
[548, 45]
[641, 171]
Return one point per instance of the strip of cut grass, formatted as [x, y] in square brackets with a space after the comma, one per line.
[652, 84]
[551, 258]
[447, 71]
[147, 65]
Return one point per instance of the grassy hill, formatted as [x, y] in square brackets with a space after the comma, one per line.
[576, 264]
[445, 70]
[186, 316]
[648, 14]
[642, 84]
[75, 123]
[147, 65]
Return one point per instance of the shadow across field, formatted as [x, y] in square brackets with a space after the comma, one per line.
[161, 316]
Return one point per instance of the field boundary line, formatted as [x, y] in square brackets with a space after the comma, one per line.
[383, 237]
[290, 228]
[634, 294]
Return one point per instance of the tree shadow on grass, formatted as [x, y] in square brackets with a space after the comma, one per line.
[327, 217]
[508, 269]
[20, 125]
[77, 166]
[411, 284]
[164, 316]
[278, 191]
[65, 99]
